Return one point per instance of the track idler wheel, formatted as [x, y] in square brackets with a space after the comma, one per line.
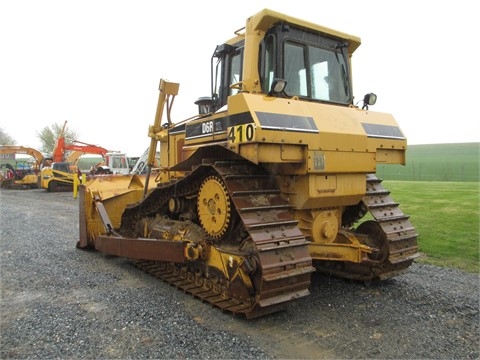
[214, 207]
[376, 239]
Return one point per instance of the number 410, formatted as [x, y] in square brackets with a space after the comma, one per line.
[241, 133]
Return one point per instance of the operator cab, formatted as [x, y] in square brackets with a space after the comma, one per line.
[312, 66]
[62, 166]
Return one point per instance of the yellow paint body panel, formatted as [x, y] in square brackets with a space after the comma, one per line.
[116, 192]
[340, 137]
[323, 191]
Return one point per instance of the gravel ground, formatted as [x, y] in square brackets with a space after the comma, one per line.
[61, 302]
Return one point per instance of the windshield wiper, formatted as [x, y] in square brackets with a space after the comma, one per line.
[344, 74]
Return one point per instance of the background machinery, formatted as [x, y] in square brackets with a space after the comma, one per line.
[117, 161]
[60, 174]
[19, 173]
[272, 180]
[141, 164]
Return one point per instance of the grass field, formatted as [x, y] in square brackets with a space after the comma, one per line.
[437, 162]
[446, 216]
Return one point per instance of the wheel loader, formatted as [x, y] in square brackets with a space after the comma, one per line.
[273, 179]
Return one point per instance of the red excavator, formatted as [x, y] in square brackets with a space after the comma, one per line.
[60, 175]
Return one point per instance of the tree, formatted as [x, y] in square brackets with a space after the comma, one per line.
[6, 139]
[48, 136]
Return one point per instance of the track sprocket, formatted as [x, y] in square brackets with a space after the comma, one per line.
[214, 207]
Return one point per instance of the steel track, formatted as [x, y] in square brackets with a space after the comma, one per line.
[400, 238]
[283, 263]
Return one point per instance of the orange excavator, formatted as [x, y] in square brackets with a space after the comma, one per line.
[61, 147]
[116, 161]
[61, 173]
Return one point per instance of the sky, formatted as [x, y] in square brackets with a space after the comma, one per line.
[97, 63]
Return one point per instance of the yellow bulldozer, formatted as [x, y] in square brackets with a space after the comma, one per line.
[273, 179]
